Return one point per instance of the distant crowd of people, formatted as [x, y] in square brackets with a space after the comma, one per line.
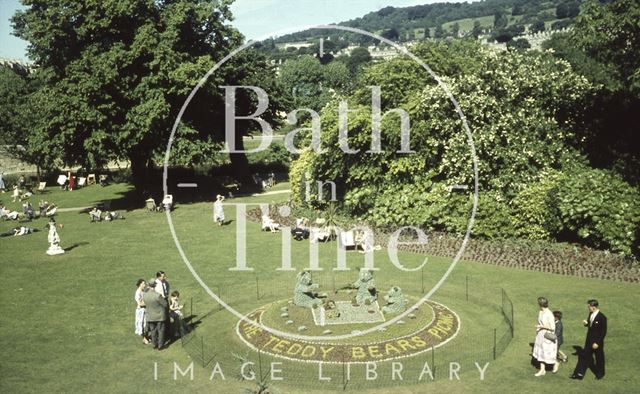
[158, 316]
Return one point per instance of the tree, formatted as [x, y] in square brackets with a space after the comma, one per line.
[568, 9]
[520, 108]
[519, 44]
[517, 9]
[115, 75]
[455, 29]
[302, 80]
[439, 32]
[13, 93]
[601, 47]
[477, 29]
[391, 34]
[537, 26]
[500, 20]
[358, 57]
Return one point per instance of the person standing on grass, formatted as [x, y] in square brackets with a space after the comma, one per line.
[2, 187]
[16, 193]
[156, 315]
[218, 210]
[140, 321]
[545, 350]
[596, 324]
[72, 182]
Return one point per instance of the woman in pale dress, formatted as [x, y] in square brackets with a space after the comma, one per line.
[140, 310]
[545, 350]
[218, 210]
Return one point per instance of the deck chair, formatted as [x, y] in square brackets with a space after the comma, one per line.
[151, 205]
[347, 239]
[167, 202]
[62, 180]
[91, 179]
[42, 186]
[82, 181]
[51, 210]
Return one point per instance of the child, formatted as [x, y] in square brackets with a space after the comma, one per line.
[175, 311]
[558, 332]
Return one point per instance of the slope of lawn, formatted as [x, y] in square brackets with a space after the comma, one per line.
[67, 321]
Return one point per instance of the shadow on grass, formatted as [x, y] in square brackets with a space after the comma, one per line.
[75, 245]
[219, 180]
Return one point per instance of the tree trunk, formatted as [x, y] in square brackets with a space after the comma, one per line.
[240, 163]
[140, 174]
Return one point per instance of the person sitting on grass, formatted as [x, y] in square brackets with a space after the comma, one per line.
[18, 231]
[112, 215]
[28, 211]
[7, 214]
[95, 214]
[42, 207]
[301, 230]
[269, 224]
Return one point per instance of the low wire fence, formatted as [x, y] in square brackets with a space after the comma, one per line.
[469, 352]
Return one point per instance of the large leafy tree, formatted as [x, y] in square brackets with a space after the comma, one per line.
[115, 73]
[603, 46]
[518, 105]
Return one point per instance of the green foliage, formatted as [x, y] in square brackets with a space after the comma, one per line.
[597, 208]
[530, 206]
[13, 91]
[519, 44]
[568, 9]
[610, 34]
[537, 26]
[115, 78]
[276, 156]
[521, 108]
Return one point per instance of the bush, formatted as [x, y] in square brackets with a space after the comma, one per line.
[530, 211]
[596, 208]
[276, 157]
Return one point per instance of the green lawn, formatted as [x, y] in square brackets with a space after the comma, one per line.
[67, 321]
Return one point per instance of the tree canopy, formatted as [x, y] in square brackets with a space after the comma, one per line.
[116, 73]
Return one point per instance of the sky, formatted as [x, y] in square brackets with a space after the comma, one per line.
[254, 18]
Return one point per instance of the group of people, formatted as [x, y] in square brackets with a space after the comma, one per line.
[550, 336]
[96, 215]
[158, 314]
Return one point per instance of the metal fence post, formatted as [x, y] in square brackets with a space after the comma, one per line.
[433, 361]
[257, 289]
[494, 343]
[466, 287]
[202, 349]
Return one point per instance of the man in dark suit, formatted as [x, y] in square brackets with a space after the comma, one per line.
[156, 315]
[596, 325]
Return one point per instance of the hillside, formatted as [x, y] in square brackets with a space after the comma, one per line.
[449, 19]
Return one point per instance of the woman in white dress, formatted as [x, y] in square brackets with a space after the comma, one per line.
[140, 310]
[218, 210]
[545, 350]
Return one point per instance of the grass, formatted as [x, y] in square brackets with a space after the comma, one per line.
[67, 321]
